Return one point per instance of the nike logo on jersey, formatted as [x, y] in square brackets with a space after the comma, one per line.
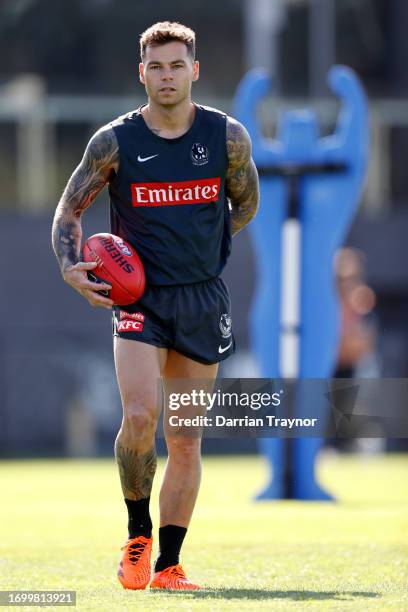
[143, 159]
[225, 348]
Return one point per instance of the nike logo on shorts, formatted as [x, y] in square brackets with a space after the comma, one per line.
[225, 348]
[143, 159]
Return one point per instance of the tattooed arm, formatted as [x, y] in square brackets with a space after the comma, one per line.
[99, 163]
[242, 187]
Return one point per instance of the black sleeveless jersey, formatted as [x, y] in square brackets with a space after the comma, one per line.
[168, 197]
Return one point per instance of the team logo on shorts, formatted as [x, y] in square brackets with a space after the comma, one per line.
[225, 325]
[123, 248]
[199, 154]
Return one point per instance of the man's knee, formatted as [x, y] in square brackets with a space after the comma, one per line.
[139, 419]
[185, 447]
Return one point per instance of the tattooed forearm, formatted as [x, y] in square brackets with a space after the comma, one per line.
[242, 185]
[100, 161]
[66, 239]
[136, 471]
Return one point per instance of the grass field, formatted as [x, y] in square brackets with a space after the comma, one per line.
[63, 522]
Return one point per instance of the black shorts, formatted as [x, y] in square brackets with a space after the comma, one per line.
[194, 320]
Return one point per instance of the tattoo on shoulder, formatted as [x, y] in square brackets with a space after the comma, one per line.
[242, 185]
[238, 143]
[98, 164]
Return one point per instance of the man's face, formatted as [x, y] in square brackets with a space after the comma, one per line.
[168, 72]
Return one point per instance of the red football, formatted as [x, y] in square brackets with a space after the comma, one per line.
[118, 264]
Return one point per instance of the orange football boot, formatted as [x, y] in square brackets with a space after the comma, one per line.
[134, 570]
[174, 579]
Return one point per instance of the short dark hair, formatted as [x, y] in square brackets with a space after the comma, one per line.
[164, 32]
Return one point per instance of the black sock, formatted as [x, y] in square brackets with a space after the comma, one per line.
[139, 522]
[170, 540]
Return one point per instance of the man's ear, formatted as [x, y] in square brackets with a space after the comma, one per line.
[196, 70]
[141, 73]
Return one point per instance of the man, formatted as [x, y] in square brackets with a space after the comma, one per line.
[181, 180]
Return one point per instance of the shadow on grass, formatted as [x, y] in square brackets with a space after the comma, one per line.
[269, 594]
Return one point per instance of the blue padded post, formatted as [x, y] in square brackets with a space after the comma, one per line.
[329, 174]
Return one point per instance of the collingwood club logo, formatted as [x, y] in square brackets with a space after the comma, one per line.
[199, 154]
[225, 325]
